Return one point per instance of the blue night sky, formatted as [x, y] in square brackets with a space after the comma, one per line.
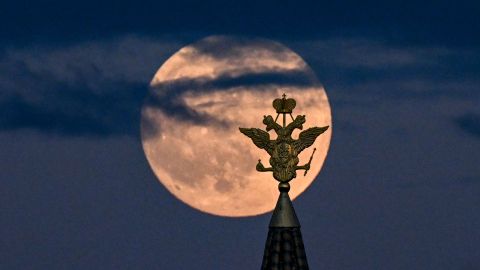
[400, 188]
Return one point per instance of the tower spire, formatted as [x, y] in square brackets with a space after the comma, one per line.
[284, 248]
[284, 215]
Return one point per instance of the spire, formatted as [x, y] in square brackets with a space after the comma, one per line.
[284, 249]
[284, 214]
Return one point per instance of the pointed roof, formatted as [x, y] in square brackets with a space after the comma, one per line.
[284, 248]
[284, 214]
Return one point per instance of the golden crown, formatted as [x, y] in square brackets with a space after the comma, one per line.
[284, 105]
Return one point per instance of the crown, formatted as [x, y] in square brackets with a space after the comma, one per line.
[284, 105]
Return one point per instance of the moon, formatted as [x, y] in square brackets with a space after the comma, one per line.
[199, 98]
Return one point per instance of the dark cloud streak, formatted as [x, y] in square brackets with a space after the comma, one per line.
[470, 123]
[299, 78]
[167, 96]
[76, 113]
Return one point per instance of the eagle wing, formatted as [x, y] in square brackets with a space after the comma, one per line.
[259, 137]
[308, 137]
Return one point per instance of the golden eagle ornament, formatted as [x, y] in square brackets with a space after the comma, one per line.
[284, 149]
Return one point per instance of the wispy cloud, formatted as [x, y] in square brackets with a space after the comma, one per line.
[370, 54]
[167, 96]
[97, 88]
[93, 88]
[363, 67]
[91, 64]
[102, 83]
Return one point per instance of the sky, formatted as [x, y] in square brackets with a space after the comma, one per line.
[400, 188]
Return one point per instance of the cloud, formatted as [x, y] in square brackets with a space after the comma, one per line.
[168, 96]
[281, 77]
[235, 49]
[97, 87]
[359, 68]
[370, 54]
[93, 88]
[93, 64]
[76, 113]
[221, 63]
[470, 123]
[375, 54]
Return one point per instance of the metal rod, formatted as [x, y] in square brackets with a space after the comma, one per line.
[310, 161]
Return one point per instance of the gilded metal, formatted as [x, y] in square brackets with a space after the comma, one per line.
[284, 149]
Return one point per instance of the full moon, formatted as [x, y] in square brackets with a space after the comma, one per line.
[197, 101]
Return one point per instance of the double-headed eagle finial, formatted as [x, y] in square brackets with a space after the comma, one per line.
[284, 150]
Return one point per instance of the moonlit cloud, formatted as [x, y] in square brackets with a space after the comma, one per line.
[102, 83]
[127, 59]
[218, 56]
[91, 88]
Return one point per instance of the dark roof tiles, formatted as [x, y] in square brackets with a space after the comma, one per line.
[284, 250]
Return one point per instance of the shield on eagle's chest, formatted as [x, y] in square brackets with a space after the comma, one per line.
[284, 161]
